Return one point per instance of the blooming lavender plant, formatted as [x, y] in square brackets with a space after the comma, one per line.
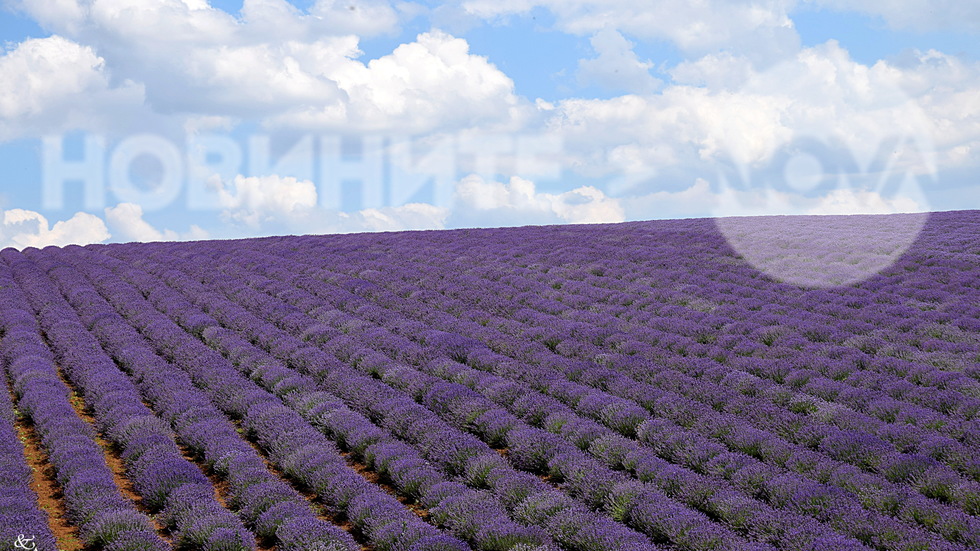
[632, 386]
[845, 524]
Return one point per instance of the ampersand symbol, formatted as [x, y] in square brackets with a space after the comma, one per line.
[24, 542]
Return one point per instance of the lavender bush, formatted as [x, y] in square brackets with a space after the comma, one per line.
[630, 387]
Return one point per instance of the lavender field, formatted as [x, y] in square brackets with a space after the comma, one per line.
[635, 386]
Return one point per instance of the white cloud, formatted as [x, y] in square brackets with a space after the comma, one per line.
[696, 201]
[702, 200]
[412, 216]
[720, 70]
[25, 228]
[258, 200]
[201, 124]
[273, 204]
[928, 99]
[53, 84]
[761, 30]
[277, 205]
[682, 126]
[432, 83]
[252, 80]
[918, 15]
[859, 120]
[758, 202]
[361, 17]
[286, 67]
[849, 201]
[127, 224]
[273, 17]
[616, 66]
[948, 90]
[747, 94]
[152, 23]
[57, 15]
[479, 202]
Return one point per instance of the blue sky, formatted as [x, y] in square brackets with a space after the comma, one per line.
[225, 118]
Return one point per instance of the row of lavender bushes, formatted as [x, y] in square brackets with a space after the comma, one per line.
[630, 387]
[842, 516]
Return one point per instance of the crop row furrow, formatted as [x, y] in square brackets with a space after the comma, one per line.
[545, 412]
[895, 499]
[797, 526]
[20, 512]
[93, 500]
[469, 514]
[784, 407]
[852, 446]
[852, 366]
[166, 481]
[571, 525]
[812, 376]
[261, 498]
[291, 444]
[672, 333]
[579, 287]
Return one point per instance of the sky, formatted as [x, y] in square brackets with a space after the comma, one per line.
[146, 120]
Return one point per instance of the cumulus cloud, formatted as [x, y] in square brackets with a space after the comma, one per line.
[361, 17]
[616, 66]
[257, 200]
[849, 201]
[747, 96]
[430, 84]
[54, 84]
[22, 228]
[867, 123]
[274, 204]
[702, 199]
[763, 31]
[719, 70]
[412, 216]
[284, 66]
[698, 200]
[517, 202]
[760, 30]
[841, 200]
[127, 224]
[918, 15]
[179, 20]
[683, 125]
[947, 89]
